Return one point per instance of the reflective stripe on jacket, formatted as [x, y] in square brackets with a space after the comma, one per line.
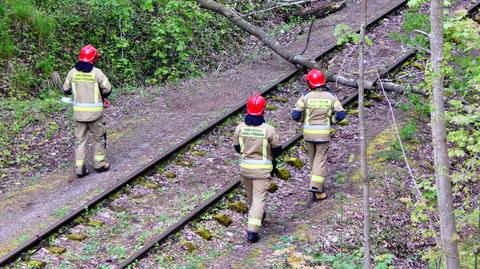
[87, 89]
[256, 144]
[318, 107]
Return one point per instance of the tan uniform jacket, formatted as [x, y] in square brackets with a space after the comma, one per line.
[318, 107]
[256, 144]
[87, 91]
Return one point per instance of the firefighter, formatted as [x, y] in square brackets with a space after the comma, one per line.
[258, 143]
[318, 108]
[89, 87]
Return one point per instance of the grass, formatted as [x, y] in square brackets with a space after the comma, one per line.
[62, 212]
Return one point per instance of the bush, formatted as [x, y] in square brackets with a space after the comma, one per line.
[138, 40]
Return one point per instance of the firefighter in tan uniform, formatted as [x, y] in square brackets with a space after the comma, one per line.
[89, 87]
[318, 109]
[259, 144]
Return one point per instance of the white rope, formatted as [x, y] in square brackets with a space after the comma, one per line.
[410, 172]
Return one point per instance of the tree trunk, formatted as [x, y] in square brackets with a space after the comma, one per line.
[321, 11]
[439, 140]
[293, 58]
[363, 142]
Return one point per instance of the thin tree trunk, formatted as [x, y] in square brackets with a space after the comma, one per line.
[363, 142]
[294, 58]
[439, 141]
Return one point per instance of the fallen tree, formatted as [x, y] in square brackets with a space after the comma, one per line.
[294, 58]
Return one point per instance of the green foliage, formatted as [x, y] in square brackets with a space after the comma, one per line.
[340, 260]
[344, 34]
[415, 4]
[394, 153]
[412, 21]
[462, 80]
[408, 131]
[139, 41]
[6, 46]
[24, 112]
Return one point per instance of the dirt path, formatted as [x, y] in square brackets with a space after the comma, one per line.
[141, 135]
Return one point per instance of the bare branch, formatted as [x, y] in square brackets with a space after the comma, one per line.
[274, 7]
[308, 36]
[292, 57]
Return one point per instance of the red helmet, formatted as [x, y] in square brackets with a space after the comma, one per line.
[315, 78]
[89, 54]
[256, 104]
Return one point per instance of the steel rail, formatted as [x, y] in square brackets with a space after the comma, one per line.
[231, 186]
[473, 8]
[37, 238]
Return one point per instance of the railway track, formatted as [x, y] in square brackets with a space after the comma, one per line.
[234, 184]
[133, 260]
[40, 238]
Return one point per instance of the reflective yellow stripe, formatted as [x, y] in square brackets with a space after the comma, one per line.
[99, 158]
[301, 104]
[74, 89]
[97, 92]
[241, 145]
[79, 162]
[77, 108]
[318, 179]
[256, 166]
[307, 116]
[254, 221]
[310, 131]
[264, 149]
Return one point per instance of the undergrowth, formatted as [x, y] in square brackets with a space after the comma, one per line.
[462, 80]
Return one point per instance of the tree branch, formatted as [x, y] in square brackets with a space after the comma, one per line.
[296, 58]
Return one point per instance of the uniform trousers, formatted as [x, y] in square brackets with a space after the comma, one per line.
[256, 194]
[317, 154]
[98, 130]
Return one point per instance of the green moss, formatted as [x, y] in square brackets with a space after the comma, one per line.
[96, 223]
[149, 185]
[35, 264]
[238, 207]
[375, 96]
[188, 246]
[283, 173]
[79, 220]
[183, 163]
[170, 174]
[199, 152]
[273, 187]
[204, 233]
[295, 162]
[367, 104]
[56, 250]
[271, 107]
[352, 112]
[76, 237]
[223, 219]
[279, 99]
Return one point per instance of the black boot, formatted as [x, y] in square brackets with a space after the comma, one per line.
[252, 237]
[84, 171]
[104, 168]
